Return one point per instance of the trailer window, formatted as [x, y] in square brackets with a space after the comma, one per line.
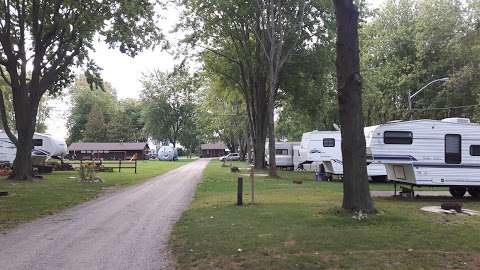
[474, 150]
[397, 137]
[453, 149]
[281, 152]
[37, 142]
[329, 142]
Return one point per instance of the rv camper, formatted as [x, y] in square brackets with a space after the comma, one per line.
[429, 153]
[284, 154]
[322, 150]
[167, 153]
[45, 143]
[317, 147]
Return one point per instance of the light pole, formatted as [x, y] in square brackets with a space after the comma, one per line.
[410, 96]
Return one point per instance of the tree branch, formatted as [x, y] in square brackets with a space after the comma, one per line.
[4, 120]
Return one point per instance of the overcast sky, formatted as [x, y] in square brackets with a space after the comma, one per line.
[124, 72]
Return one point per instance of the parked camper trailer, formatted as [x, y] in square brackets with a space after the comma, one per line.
[317, 147]
[429, 152]
[167, 153]
[284, 154]
[324, 148]
[46, 143]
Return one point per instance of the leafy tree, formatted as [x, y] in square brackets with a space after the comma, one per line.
[127, 123]
[279, 31]
[83, 100]
[169, 104]
[247, 43]
[191, 136]
[226, 30]
[410, 43]
[95, 128]
[307, 99]
[42, 41]
[223, 115]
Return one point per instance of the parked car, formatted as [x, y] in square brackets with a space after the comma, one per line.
[230, 157]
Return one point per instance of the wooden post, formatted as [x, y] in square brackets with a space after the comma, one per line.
[135, 166]
[240, 191]
[252, 180]
[119, 165]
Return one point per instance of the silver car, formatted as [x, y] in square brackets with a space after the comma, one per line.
[230, 157]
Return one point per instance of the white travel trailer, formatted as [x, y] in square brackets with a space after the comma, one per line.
[317, 147]
[54, 147]
[284, 154]
[429, 153]
[322, 149]
[167, 153]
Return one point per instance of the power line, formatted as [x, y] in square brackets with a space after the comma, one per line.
[439, 108]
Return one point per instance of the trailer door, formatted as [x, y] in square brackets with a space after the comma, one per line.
[453, 149]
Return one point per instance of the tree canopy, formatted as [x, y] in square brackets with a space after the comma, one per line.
[169, 104]
[98, 116]
[43, 41]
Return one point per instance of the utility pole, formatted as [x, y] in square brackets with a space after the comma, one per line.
[410, 112]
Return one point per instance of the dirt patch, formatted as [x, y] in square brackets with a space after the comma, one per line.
[290, 243]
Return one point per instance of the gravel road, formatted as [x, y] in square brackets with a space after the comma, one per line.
[125, 230]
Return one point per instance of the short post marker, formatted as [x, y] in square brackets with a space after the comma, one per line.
[240, 191]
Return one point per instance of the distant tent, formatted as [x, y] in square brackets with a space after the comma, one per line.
[167, 153]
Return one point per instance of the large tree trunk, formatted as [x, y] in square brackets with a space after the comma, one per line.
[258, 120]
[25, 120]
[356, 193]
[259, 149]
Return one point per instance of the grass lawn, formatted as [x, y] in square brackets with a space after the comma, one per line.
[33, 199]
[304, 227]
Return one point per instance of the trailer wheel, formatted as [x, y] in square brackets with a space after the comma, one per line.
[474, 192]
[458, 192]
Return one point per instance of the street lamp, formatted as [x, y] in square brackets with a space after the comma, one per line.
[420, 90]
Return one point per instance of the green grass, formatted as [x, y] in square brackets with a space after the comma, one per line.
[303, 227]
[32, 199]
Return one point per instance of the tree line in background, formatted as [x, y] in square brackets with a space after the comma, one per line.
[402, 48]
[409, 43]
[404, 45]
[166, 113]
[97, 115]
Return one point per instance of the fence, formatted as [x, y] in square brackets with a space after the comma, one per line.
[113, 164]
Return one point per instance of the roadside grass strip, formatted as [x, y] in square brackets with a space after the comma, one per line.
[302, 226]
[29, 200]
